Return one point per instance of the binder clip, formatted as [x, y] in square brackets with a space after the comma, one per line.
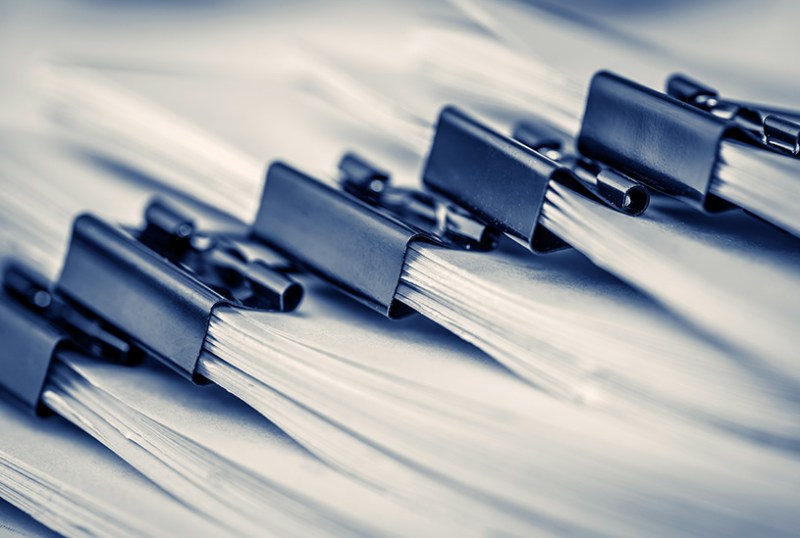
[504, 182]
[671, 141]
[613, 188]
[125, 293]
[36, 327]
[355, 232]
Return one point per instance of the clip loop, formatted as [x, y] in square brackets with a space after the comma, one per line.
[775, 128]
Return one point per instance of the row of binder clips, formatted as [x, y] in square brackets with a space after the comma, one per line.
[127, 292]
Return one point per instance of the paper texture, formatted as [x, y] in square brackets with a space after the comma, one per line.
[238, 464]
[16, 524]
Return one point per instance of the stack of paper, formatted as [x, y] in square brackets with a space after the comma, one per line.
[95, 494]
[642, 383]
[407, 410]
[220, 458]
[572, 349]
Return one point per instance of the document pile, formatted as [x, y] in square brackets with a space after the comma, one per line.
[396, 287]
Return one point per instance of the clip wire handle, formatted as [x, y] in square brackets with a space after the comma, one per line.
[358, 247]
[659, 140]
[496, 178]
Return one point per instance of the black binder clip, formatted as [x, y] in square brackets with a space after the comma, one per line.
[36, 326]
[355, 232]
[124, 293]
[671, 141]
[614, 188]
[505, 182]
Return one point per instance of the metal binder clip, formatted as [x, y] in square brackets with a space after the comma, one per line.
[615, 189]
[775, 128]
[89, 334]
[123, 293]
[355, 232]
[504, 182]
[36, 326]
[671, 141]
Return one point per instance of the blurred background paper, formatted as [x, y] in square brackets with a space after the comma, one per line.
[247, 34]
[742, 40]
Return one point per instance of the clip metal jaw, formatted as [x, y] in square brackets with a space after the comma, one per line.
[775, 128]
